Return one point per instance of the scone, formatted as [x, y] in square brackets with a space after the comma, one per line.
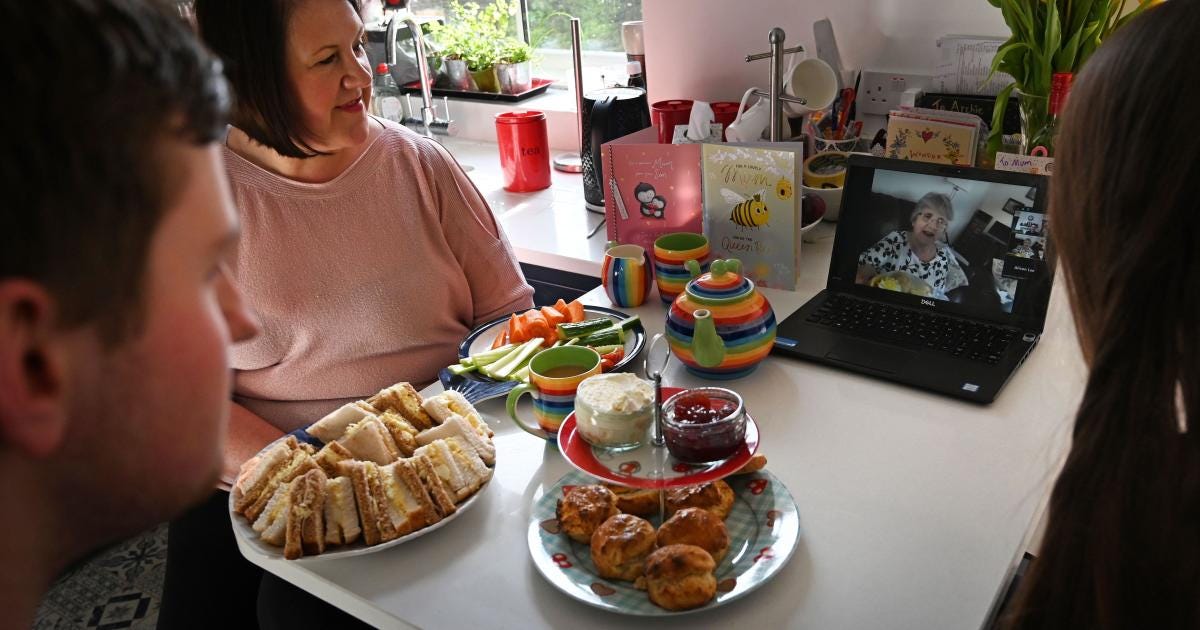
[583, 509]
[679, 577]
[716, 497]
[620, 546]
[696, 526]
[635, 500]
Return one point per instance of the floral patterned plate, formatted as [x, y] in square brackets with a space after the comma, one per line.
[764, 527]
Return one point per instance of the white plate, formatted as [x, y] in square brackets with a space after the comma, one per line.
[243, 530]
[764, 527]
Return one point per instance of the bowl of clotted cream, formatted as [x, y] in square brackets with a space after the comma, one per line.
[614, 411]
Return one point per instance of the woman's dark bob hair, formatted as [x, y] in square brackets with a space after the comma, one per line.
[250, 38]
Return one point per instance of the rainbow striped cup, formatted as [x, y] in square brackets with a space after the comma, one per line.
[554, 375]
[626, 275]
[671, 253]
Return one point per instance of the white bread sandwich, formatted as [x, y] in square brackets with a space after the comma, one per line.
[305, 531]
[256, 472]
[456, 426]
[341, 514]
[270, 474]
[443, 498]
[450, 403]
[459, 468]
[329, 456]
[369, 440]
[334, 425]
[271, 525]
[403, 433]
[446, 468]
[469, 462]
[404, 400]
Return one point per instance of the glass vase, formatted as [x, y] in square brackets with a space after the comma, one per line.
[1037, 126]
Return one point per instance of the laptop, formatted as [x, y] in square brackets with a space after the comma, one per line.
[950, 302]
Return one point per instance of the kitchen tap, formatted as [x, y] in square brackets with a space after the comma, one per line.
[428, 123]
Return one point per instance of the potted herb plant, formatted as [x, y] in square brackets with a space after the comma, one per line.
[513, 70]
[1051, 40]
[472, 40]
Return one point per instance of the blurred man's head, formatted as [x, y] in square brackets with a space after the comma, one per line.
[115, 310]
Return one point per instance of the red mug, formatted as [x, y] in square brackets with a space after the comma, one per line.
[725, 112]
[666, 114]
[524, 150]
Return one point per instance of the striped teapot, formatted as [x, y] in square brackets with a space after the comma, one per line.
[720, 327]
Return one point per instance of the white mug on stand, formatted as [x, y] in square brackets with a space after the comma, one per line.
[810, 79]
[750, 123]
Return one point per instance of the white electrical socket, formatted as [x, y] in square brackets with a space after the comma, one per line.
[879, 92]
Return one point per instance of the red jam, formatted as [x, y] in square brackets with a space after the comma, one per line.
[699, 427]
[701, 409]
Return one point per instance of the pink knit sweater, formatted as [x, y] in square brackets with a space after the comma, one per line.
[368, 279]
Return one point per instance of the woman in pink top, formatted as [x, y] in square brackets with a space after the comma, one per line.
[366, 252]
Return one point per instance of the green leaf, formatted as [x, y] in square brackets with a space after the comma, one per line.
[1079, 15]
[996, 133]
[1064, 60]
[1053, 34]
[1007, 60]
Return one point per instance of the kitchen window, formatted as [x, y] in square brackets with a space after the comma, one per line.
[544, 23]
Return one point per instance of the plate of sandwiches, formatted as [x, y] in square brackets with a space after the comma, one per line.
[373, 474]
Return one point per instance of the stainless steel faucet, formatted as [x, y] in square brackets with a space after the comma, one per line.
[428, 123]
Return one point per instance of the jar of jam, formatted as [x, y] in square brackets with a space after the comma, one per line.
[705, 424]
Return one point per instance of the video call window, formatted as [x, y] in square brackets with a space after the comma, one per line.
[964, 241]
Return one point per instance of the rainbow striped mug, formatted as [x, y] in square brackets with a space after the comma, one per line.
[626, 274]
[671, 253]
[554, 375]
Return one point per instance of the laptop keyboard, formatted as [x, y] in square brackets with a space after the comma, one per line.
[957, 337]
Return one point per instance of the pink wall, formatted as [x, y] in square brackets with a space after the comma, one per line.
[696, 48]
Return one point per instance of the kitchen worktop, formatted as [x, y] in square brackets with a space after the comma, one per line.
[548, 228]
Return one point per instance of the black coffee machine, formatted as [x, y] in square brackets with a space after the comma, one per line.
[608, 114]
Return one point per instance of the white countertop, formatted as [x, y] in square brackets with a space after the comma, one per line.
[547, 228]
[913, 508]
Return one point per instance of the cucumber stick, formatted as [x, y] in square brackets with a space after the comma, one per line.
[583, 328]
[613, 335]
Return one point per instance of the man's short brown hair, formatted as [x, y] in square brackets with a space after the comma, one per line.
[96, 87]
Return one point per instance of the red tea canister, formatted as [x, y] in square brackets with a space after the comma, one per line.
[524, 150]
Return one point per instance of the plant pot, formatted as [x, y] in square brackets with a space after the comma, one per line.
[514, 78]
[1037, 129]
[457, 75]
[485, 80]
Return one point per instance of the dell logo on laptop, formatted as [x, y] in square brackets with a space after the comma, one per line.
[925, 302]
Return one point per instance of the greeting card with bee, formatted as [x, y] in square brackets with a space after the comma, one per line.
[750, 201]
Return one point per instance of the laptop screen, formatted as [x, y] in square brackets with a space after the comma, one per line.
[965, 241]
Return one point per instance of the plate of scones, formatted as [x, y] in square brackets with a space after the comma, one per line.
[605, 545]
[371, 475]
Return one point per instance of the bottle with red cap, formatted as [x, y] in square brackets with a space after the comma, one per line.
[385, 96]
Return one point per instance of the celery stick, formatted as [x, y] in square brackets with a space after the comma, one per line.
[459, 370]
[502, 361]
[511, 365]
[521, 374]
[572, 341]
[490, 356]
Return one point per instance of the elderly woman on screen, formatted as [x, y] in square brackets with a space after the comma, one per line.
[917, 253]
